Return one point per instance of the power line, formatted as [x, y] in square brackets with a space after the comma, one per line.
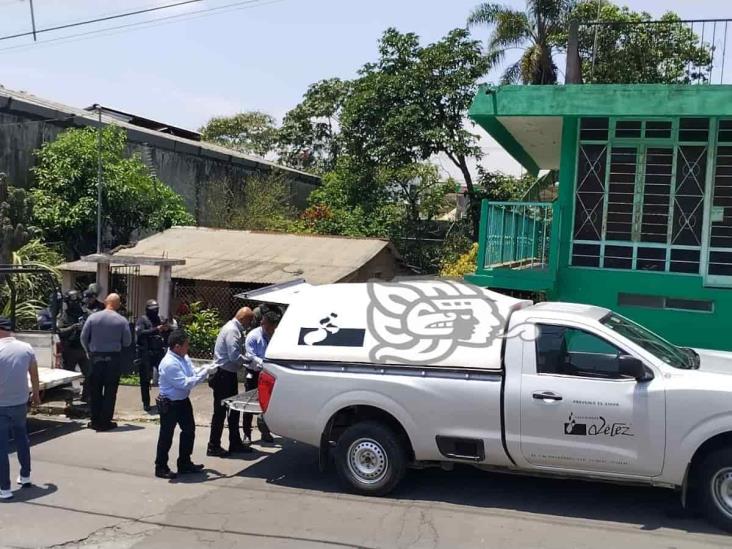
[136, 6]
[97, 20]
[245, 4]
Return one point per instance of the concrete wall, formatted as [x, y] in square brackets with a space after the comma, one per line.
[191, 170]
[383, 266]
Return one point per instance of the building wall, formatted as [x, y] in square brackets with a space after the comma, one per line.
[182, 166]
[602, 286]
[383, 266]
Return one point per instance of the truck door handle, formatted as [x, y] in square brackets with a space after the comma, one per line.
[546, 395]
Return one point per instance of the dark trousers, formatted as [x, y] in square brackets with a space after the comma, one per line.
[224, 385]
[145, 365]
[104, 377]
[71, 357]
[246, 422]
[176, 412]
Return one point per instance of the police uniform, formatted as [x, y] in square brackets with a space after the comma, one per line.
[69, 325]
[151, 338]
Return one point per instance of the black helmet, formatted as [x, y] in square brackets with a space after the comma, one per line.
[92, 290]
[72, 296]
[151, 305]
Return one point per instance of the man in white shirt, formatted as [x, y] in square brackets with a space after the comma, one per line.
[17, 360]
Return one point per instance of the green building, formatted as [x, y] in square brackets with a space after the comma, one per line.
[640, 219]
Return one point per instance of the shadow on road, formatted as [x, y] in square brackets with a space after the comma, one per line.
[296, 466]
[29, 493]
[42, 430]
[123, 427]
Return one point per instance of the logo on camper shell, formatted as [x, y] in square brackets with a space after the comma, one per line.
[329, 333]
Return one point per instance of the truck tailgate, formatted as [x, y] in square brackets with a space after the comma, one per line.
[54, 377]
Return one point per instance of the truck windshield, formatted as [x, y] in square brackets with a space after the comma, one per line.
[669, 353]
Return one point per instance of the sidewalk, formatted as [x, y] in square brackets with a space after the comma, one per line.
[129, 405]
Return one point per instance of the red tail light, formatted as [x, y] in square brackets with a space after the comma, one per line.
[266, 386]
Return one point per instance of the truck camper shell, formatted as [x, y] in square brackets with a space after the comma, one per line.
[421, 323]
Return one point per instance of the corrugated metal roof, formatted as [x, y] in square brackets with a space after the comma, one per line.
[252, 257]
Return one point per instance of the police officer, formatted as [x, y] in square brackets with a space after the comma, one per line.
[69, 325]
[151, 335]
[104, 336]
[91, 301]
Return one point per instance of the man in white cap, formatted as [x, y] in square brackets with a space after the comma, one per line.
[17, 360]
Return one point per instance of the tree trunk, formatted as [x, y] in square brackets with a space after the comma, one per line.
[473, 198]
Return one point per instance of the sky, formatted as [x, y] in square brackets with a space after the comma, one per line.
[260, 56]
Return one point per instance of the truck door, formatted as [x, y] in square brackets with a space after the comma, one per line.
[578, 413]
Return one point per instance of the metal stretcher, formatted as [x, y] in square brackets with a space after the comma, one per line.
[244, 402]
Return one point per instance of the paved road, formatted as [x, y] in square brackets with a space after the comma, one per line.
[97, 490]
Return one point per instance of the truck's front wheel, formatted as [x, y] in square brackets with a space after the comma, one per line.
[370, 458]
[715, 487]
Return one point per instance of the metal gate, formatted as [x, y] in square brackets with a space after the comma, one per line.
[125, 281]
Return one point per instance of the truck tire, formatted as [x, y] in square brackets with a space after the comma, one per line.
[714, 485]
[370, 458]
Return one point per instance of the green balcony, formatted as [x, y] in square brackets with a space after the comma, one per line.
[515, 246]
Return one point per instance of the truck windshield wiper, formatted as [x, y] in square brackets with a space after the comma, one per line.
[694, 359]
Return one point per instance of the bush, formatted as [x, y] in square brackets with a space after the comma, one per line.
[463, 265]
[202, 326]
[33, 291]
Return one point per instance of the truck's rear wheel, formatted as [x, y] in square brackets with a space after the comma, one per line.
[370, 458]
[715, 487]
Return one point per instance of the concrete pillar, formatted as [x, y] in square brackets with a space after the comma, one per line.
[165, 290]
[68, 280]
[103, 280]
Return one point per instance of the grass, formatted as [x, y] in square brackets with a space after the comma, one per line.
[130, 379]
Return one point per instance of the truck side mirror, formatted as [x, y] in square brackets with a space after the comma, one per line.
[630, 366]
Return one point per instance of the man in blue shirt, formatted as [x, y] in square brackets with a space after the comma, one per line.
[177, 378]
[255, 348]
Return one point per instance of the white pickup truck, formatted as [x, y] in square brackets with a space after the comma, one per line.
[384, 376]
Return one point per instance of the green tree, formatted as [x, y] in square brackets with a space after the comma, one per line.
[15, 212]
[309, 136]
[65, 192]
[631, 52]
[251, 132]
[534, 30]
[411, 104]
[351, 201]
[419, 195]
[261, 202]
[499, 186]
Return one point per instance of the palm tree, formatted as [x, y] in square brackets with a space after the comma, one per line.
[535, 30]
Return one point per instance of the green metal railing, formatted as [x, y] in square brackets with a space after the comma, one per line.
[517, 235]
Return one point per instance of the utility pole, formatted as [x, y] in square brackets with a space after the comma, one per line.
[33, 21]
[99, 180]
